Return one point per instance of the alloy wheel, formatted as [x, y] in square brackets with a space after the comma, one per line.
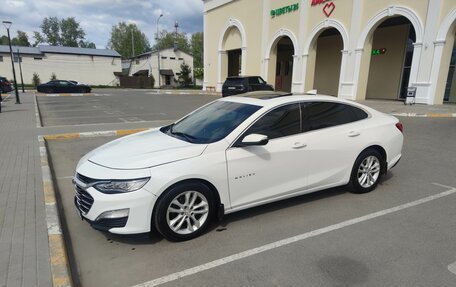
[187, 212]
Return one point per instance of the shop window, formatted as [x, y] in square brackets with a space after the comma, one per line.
[172, 58]
[37, 58]
[164, 58]
[181, 59]
[1, 58]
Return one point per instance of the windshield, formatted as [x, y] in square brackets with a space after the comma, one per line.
[211, 123]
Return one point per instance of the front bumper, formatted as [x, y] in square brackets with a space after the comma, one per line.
[91, 203]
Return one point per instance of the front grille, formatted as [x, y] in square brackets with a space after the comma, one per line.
[83, 199]
[85, 179]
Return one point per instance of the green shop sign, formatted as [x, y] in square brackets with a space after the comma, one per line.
[284, 10]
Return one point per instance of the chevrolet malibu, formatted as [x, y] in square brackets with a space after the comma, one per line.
[232, 154]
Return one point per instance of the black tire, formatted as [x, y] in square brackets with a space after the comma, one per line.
[161, 217]
[372, 181]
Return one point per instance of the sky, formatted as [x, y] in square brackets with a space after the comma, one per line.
[97, 17]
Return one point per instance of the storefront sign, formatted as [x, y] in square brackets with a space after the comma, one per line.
[284, 10]
[328, 8]
[376, 52]
[316, 2]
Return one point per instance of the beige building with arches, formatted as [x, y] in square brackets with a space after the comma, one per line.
[353, 49]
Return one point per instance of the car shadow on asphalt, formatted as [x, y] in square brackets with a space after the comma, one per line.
[274, 206]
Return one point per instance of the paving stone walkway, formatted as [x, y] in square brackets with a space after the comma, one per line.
[24, 251]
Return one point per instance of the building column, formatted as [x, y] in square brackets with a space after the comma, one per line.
[296, 84]
[243, 61]
[205, 47]
[421, 91]
[355, 84]
[221, 54]
[435, 71]
[265, 69]
[341, 93]
[304, 59]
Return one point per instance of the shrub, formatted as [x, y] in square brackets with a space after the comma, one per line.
[36, 79]
[53, 77]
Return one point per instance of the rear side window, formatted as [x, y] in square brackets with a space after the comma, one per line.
[359, 114]
[280, 122]
[254, 81]
[319, 115]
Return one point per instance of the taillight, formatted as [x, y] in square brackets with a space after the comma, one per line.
[400, 127]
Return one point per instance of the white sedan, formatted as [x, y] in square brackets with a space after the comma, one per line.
[232, 154]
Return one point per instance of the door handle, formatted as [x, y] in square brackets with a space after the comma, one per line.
[353, 134]
[298, 145]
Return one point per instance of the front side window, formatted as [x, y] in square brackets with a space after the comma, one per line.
[319, 115]
[211, 123]
[280, 122]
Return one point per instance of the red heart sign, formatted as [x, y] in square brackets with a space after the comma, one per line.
[329, 8]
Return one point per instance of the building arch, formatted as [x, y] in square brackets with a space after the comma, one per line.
[308, 56]
[222, 53]
[270, 58]
[359, 89]
[441, 58]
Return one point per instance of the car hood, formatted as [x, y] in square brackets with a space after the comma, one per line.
[144, 150]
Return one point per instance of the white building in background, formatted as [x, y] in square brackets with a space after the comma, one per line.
[90, 66]
[352, 49]
[170, 65]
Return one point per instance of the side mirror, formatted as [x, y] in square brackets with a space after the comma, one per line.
[255, 139]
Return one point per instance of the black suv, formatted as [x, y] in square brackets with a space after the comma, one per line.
[5, 86]
[240, 85]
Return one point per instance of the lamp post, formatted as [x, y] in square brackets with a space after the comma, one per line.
[20, 69]
[158, 53]
[7, 25]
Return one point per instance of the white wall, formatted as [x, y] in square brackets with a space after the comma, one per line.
[92, 70]
[149, 62]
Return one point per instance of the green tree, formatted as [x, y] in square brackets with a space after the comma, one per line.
[166, 40]
[197, 49]
[198, 52]
[20, 40]
[87, 44]
[65, 32]
[121, 39]
[185, 79]
[70, 32]
[53, 77]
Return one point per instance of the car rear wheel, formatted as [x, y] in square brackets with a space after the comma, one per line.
[184, 211]
[366, 172]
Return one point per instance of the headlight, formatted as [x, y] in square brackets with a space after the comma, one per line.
[121, 186]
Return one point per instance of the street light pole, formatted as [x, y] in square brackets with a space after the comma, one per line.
[20, 69]
[158, 53]
[7, 25]
[132, 44]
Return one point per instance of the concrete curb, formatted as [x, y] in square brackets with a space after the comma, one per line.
[196, 92]
[72, 95]
[60, 267]
[425, 115]
[93, 134]
[39, 123]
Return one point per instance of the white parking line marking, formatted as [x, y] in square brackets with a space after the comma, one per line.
[452, 268]
[287, 241]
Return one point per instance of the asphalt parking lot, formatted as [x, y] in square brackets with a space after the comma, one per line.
[117, 106]
[328, 238]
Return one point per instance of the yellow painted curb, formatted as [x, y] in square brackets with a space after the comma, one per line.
[62, 136]
[435, 115]
[129, 132]
[59, 261]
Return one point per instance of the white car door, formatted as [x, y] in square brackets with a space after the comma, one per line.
[257, 173]
[334, 134]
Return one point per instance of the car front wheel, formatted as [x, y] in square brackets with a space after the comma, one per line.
[184, 211]
[366, 172]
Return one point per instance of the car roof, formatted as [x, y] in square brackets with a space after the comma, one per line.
[256, 98]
